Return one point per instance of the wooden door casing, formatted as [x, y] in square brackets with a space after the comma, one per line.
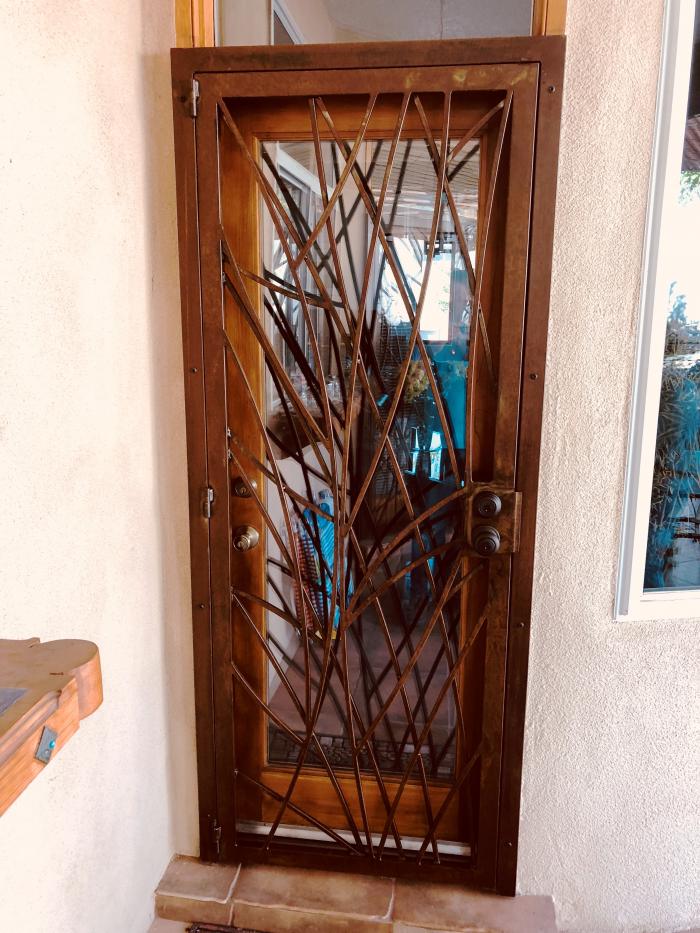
[529, 71]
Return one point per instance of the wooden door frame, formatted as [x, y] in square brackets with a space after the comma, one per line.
[548, 55]
[195, 21]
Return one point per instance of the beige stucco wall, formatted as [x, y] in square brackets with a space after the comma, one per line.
[610, 808]
[93, 521]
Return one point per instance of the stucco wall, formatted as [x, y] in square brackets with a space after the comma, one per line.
[610, 790]
[93, 521]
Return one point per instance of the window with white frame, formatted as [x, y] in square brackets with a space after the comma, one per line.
[660, 555]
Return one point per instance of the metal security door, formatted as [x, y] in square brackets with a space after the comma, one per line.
[360, 225]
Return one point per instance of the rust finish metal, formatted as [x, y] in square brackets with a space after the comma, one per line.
[219, 369]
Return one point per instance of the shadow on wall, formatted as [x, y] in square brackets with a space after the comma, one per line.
[169, 450]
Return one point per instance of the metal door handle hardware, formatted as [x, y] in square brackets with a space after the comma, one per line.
[487, 504]
[487, 540]
[242, 489]
[496, 507]
[245, 538]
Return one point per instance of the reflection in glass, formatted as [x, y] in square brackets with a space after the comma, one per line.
[673, 548]
[396, 409]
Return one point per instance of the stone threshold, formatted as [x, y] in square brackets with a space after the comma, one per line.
[271, 899]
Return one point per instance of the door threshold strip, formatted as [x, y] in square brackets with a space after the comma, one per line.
[288, 831]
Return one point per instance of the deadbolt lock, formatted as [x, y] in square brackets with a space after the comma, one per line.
[244, 488]
[487, 504]
[493, 519]
[245, 538]
[486, 540]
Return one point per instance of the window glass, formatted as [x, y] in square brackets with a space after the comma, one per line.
[673, 545]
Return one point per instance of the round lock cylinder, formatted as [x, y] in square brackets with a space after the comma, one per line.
[486, 540]
[243, 489]
[245, 538]
[487, 504]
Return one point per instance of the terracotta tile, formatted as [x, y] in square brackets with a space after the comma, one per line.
[282, 900]
[193, 890]
[188, 877]
[438, 907]
[289, 920]
[411, 928]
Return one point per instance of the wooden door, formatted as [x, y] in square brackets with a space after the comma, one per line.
[365, 235]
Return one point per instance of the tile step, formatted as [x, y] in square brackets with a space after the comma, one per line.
[271, 899]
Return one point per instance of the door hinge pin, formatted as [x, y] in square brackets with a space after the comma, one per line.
[207, 501]
[192, 99]
[216, 836]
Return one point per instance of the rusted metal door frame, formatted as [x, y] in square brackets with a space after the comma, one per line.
[547, 55]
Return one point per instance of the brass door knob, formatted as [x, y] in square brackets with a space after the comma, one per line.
[486, 540]
[245, 538]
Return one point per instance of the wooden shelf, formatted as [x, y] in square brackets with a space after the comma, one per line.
[48, 686]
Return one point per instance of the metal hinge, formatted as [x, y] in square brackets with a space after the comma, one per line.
[191, 99]
[207, 501]
[216, 836]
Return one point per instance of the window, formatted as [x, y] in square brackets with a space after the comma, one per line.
[284, 30]
[660, 558]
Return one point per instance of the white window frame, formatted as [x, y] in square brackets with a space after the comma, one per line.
[672, 98]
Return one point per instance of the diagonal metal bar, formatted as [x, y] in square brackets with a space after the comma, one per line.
[304, 604]
[362, 305]
[414, 317]
[236, 597]
[449, 797]
[471, 133]
[273, 205]
[448, 593]
[471, 375]
[356, 608]
[336, 837]
[460, 237]
[464, 650]
[404, 696]
[326, 213]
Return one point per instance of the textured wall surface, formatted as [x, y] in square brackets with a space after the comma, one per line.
[610, 790]
[93, 520]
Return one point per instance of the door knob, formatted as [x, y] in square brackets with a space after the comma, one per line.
[245, 538]
[486, 540]
[487, 504]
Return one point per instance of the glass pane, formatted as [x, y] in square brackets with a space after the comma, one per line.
[359, 608]
[673, 549]
[280, 35]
